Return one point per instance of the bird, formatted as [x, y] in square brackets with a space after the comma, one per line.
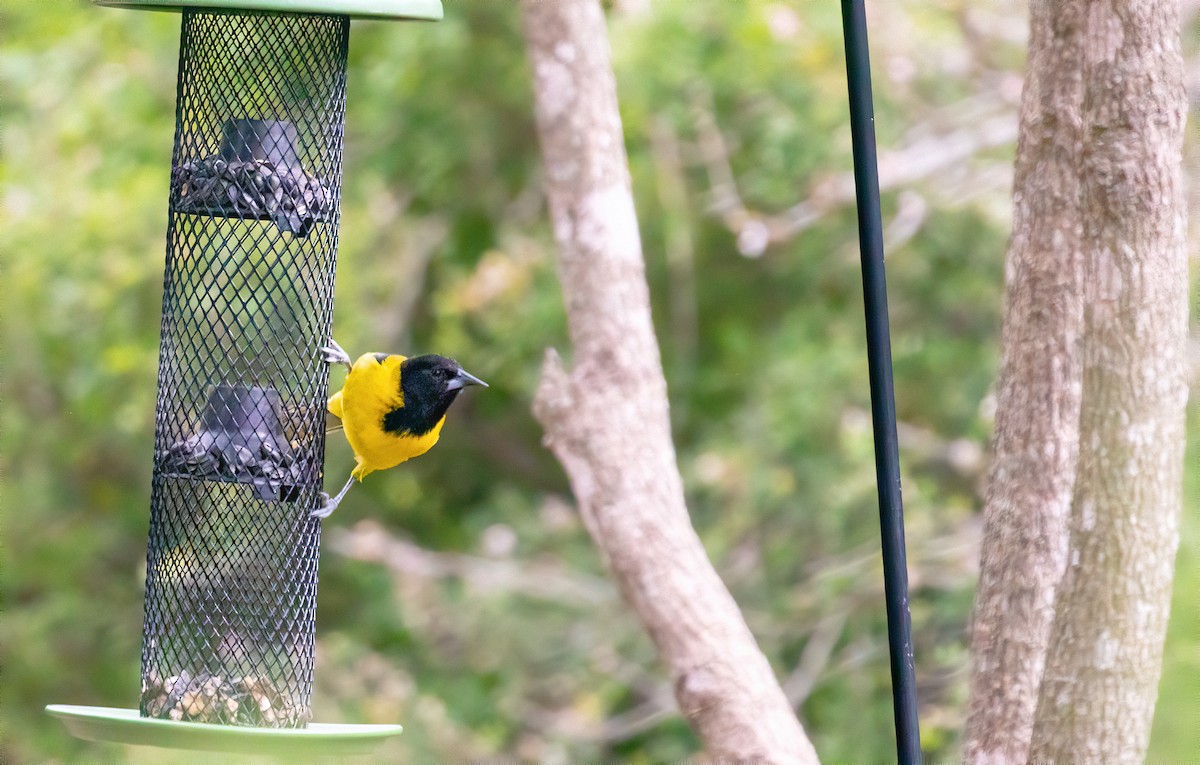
[391, 408]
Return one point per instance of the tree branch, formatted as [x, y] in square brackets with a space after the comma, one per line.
[370, 542]
[606, 419]
[1036, 441]
[990, 126]
[815, 658]
[1105, 651]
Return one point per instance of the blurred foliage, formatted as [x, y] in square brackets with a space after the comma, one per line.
[489, 628]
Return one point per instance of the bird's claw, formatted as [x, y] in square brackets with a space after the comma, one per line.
[325, 509]
[335, 354]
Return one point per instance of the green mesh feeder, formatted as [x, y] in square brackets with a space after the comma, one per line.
[231, 563]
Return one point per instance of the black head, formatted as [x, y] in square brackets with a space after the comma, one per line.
[429, 384]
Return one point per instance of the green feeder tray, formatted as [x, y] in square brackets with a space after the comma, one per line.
[124, 726]
[419, 10]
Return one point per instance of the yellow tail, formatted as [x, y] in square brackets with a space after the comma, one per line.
[335, 405]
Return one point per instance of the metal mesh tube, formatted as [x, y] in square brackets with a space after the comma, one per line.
[231, 566]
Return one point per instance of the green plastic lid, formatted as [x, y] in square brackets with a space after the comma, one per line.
[126, 726]
[421, 10]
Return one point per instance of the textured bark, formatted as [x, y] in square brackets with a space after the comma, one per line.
[1032, 472]
[1105, 656]
[607, 419]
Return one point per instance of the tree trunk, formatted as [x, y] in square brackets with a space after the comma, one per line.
[1035, 448]
[607, 419]
[1105, 655]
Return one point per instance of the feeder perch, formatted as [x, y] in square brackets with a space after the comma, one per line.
[231, 565]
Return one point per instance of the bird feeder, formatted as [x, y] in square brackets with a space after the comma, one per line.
[231, 565]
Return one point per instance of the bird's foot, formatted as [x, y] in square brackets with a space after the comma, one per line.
[327, 506]
[325, 509]
[335, 354]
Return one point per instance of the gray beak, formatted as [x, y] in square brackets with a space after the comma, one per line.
[463, 379]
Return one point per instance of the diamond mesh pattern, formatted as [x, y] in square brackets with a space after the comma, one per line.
[231, 575]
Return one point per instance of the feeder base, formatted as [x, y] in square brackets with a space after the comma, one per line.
[126, 726]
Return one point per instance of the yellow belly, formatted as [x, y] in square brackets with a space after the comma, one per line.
[376, 449]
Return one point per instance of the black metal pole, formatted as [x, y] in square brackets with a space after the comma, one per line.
[883, 402]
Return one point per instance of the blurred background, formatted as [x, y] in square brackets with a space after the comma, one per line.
[460, 595]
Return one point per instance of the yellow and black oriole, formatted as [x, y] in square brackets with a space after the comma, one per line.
[392, 408]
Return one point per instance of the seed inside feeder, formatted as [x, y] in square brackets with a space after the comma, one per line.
[256, 174]
[241, 439]
[207, 698]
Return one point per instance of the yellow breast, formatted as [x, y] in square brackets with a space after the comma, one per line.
[371, 390]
